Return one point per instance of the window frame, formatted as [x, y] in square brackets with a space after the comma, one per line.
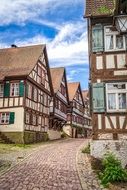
[27, 118]
[116, 92]
[1, 91]
[14, 83]
[5, 118]
[114, 34]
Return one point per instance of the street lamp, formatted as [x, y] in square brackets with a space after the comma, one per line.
[121, 23]
[120, 16]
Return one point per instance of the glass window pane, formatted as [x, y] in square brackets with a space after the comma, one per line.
[112, 101]
[122, 100]
[1, 90]
[116, 86]
[119, 42]
[109, 42]
[97, 38]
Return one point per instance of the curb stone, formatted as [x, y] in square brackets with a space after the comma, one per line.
[86, 175]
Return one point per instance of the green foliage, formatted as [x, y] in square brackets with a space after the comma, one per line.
[113, 171]
[86, 149]
[103, 10]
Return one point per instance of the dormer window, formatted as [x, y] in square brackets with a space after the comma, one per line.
[113, 40]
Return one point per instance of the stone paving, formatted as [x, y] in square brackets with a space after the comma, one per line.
[49, 168]
[88, 178]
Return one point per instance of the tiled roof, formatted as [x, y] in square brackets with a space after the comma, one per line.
[72, 89]
[56, 75]
[99, 7]
[19, 61]
[85, 94]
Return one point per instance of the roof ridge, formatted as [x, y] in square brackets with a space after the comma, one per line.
[19, 47]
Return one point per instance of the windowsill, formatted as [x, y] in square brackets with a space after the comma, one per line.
[116, 111]
[5, 124]
[115, 50]
[13, 96]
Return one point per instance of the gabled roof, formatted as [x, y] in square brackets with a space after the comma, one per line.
[85, 94]
[72, 89]
[56, 75]
[99, 8]
[19, 61]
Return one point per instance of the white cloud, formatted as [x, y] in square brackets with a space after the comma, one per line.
[69, 47]
[20, 11]
[38, 39]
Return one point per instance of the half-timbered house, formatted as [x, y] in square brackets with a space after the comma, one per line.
[59, 103]
[25, 94]
[87, 117]
[107, 37]
[75, 112]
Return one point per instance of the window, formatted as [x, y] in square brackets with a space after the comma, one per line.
[1, 90]
[29, 91]
[97, 38]
[14, 89]
[68, 117]
[4, 118]
[113, 40]
[35, 94]
[34, 120]
[116, 96]
[27, 118]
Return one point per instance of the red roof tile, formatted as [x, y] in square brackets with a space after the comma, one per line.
[56, 75]
[99, 7]
[19, 61]
[72, 89]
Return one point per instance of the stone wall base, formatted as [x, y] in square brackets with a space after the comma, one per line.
[26, 137]
[14, 137]
[68, 130]
[54, 134]
[117, 147]
[33, 137]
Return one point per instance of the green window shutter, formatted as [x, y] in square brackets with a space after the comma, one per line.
[21, 88]
[90, 98]
[6, 89]
[97, 38]
[12, 118]
[98, 97]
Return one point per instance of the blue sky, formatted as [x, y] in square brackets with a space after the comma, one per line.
[58, 24]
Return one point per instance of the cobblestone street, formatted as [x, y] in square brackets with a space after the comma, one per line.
[49, 168]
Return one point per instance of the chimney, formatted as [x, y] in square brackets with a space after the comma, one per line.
[14, 46]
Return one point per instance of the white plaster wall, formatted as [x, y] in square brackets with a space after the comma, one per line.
[68, 130]
[99, 62]
[121, 60]
[99, 122]
[117, 147]
[110, 61]
[107, 136]
[122, 136]
[18, 125]
[54, 134]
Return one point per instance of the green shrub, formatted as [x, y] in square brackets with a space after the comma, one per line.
[86, 149]
[113, 171]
